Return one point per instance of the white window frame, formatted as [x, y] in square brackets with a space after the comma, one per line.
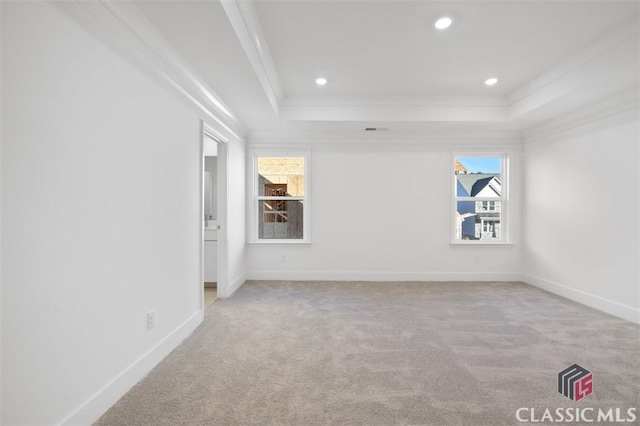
[256, 198]
[504, 199]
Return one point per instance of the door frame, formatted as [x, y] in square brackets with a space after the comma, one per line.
[209, 132]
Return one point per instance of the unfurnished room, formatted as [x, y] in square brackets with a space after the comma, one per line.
[319, 212]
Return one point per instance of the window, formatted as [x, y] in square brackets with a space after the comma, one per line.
[281, 197]
[480, 198]
[488, 205]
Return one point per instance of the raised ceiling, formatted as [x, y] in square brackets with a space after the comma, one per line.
[391, 48]
[386, 63]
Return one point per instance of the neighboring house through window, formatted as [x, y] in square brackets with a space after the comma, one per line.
[275, 210]
[480, 201]
[281, 196]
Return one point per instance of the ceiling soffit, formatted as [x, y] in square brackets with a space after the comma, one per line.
[124, 27]
[603, 69]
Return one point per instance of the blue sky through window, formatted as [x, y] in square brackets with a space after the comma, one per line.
[481, 164]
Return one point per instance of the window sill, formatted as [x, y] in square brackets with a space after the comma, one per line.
[482, 243]
[298, 242]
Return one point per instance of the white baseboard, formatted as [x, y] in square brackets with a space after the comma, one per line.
[613, 308]
[233, 286]
[102, 400]
[382, 276]
[608, 306]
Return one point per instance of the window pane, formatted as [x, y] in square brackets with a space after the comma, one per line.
[478, 177]
[280, 219]
[478, 220]
[281, 176]
[470, 165]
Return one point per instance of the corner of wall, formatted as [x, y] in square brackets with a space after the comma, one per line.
[575, 144]
[234, 285]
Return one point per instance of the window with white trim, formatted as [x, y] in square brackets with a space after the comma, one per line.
[281, 196]
[480, 202]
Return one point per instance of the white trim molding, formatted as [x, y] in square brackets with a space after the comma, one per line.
[604, 68]
[578, 68]
[625, 103]
[244, 20]
[101, 401]
[255, 198]
[125, 28]
[601, 304]
[504, 198]
[223, 202]
[391, 276]
[233, 286]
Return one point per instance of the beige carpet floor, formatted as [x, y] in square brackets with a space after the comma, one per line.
[210, 296]
[358, 353]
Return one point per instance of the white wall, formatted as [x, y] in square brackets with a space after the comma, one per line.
[581, 213]
[236, 224]
[93, 237]
[382, 212]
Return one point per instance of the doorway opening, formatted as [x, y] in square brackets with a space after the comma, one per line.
[213, 218]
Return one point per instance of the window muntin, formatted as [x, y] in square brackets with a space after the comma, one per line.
[480, 198]
[281, 211]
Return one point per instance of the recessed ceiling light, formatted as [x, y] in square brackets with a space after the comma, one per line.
[321, 81]
[491, 81]
[443, 23]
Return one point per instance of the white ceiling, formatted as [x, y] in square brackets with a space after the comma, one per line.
[201, 33]
[387, 64]
[391, 48]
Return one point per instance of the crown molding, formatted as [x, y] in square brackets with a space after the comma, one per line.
[389, 101]
[606, 66]
[244, 20]
[422, 134]
[580, 59]
[126, 29]
[624, 105]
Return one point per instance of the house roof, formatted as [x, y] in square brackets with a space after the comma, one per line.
[476, 182]
[460, 168]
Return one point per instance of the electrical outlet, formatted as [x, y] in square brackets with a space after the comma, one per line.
[151, 319]
[476, 260]
[283, 259]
